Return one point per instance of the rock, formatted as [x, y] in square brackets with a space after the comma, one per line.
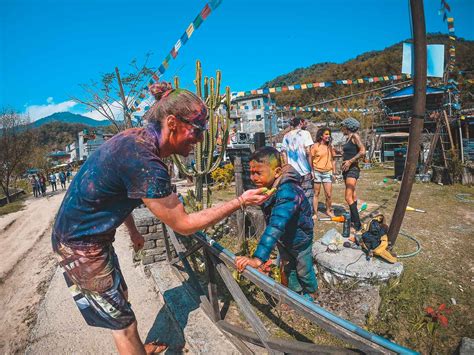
[467, 346]
[330, 237]
[350, 265]
[356, 305]
[453, 301]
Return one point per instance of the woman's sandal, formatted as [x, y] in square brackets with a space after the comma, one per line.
[155, 347]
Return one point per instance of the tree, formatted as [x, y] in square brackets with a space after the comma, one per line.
[114, 92]
[16, 144]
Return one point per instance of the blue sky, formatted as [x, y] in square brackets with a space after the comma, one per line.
[49, 47]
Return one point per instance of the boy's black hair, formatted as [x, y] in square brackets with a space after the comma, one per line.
[266, 155]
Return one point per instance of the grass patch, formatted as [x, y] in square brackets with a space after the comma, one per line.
[15, 206]
[441, 273]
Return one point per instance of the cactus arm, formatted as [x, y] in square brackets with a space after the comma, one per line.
[198, 81]
[182, 167]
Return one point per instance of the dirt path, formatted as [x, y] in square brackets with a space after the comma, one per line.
[20, 231]
[26, 267]
[38, 313]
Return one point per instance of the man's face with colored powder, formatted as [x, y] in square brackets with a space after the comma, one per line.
[190, 131]
[263, 174]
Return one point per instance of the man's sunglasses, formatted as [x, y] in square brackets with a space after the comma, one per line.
[198, 129]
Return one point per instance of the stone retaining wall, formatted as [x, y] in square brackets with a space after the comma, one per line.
[150, 227]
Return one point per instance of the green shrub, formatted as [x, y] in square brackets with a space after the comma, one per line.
[223, 176]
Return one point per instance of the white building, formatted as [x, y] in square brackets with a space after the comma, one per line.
[255, 113]
[87, 142]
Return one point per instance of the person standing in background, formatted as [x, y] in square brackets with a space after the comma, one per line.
[324, 168]
[295, 151]
[352, 151]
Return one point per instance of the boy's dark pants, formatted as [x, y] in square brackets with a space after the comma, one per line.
[297, 269]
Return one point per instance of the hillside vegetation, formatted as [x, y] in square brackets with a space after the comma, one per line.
[374, 63]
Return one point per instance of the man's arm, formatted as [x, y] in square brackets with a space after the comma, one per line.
[308, 157]
[135, 236]
[171, 211]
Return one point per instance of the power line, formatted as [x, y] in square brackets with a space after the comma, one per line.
[356, 94]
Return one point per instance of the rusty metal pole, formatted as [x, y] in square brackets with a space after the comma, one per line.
[416, 127]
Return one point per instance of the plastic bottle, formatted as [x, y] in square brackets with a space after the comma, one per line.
[346, 227]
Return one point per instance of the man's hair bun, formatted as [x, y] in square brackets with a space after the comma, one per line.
[160, 89]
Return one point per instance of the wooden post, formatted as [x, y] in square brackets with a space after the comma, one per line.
[212, 287]
[239, 190]
[416, 126]
[245, 306]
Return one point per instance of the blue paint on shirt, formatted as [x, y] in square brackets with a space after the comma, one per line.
[110, 184]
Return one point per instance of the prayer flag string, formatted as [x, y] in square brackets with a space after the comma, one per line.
[212, 5]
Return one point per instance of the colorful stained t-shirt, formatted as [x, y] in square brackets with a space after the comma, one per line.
[294, 144]
[110, 184]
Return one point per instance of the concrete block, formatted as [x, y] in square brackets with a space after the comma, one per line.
[155, 235]
[142, 229]
[148, 259]
[154, 252]
[152, 229]
[160, 257]
[151, 244]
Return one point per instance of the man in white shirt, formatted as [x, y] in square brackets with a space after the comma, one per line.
[295, 149]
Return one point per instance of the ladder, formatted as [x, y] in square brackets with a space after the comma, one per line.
[446, 145]
[445, 137]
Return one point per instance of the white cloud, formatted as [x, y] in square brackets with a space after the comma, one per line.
[116, 109]
[36, 112]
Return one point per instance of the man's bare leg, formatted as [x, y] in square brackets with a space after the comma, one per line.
[128, 341]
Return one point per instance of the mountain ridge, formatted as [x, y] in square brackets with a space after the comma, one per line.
[69, 117]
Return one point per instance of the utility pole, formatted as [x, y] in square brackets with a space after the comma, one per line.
[416, 126]
[126, 116]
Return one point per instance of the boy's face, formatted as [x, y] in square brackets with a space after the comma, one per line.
[263, 174]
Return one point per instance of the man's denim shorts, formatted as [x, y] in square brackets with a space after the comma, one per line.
[322, 177]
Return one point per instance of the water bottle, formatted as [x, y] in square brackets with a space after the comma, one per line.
[346, 227]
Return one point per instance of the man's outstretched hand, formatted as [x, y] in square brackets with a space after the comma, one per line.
[256, 196]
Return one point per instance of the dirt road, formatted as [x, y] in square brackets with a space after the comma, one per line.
[38, 313]
[27, 264]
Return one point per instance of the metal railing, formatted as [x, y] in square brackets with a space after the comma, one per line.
[218, 258]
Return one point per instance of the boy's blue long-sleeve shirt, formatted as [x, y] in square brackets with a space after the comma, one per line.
[289, 218]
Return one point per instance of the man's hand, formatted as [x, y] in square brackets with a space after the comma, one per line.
[241, 262]
[255, 196]
[137, 240]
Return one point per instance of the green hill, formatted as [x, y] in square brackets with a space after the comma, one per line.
[374, 63]
[68, 117]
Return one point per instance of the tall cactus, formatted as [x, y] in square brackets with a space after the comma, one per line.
[204, 151]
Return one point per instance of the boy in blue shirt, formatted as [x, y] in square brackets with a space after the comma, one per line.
[289, 223]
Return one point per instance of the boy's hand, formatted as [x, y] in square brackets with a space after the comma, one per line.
[241, 262]
[137, 240]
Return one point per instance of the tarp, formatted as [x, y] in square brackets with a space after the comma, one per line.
[434, 60]
[409, 91]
